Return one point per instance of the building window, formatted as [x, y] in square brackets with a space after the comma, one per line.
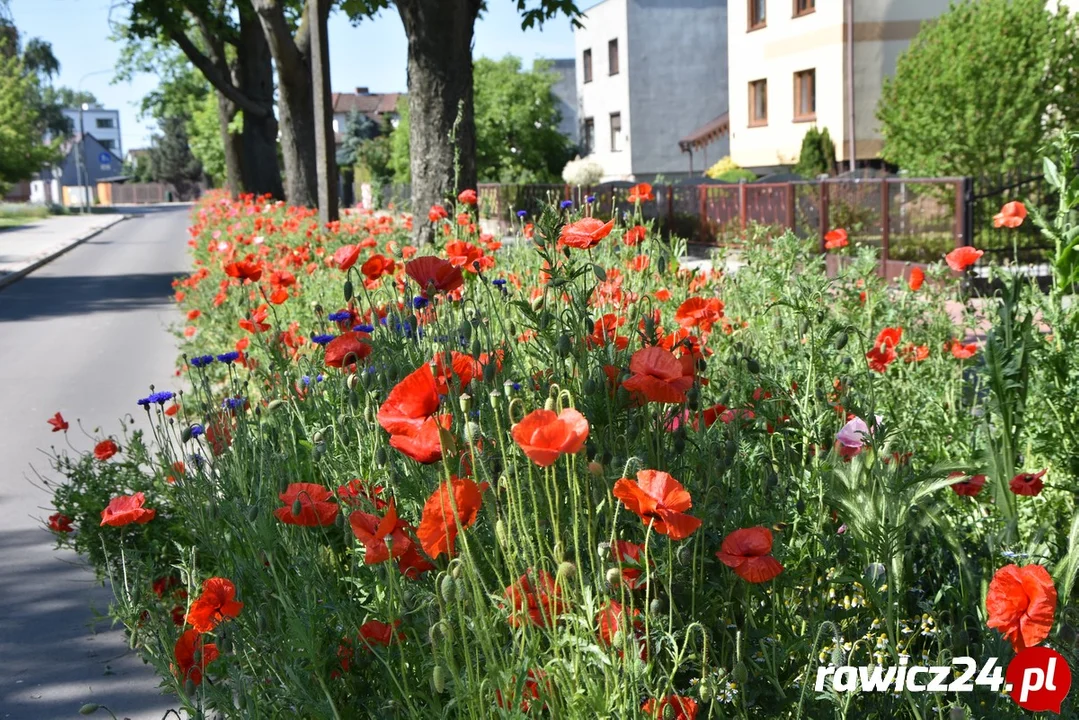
[107, 144]
[756, 14]
[103, 123]
[616, 132]
[612, 57]
[805, 95]
[588, 136]
[758, 103]
[586, 61]
[804, 7]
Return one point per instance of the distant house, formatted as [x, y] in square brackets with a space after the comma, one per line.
[649, 74]
[377, 106]
[103, 124]
[99, 162]
[565, 93]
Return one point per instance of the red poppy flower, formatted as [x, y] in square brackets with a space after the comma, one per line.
[748, 551]
[917, 277]
[413, 562]
[347, 349]
[915, 353]
[410, 403]
[346, 256]
[1011, 215]
[635, 235]
[436, 213]
[467, 197]
[544, 436]
[317, 507]
[58, 522]
[659, 499]
[376, 266]
[962, 258]
[612, 618]
[423, 443]
[256, 323]
[442, 514]
[465, 255]
[373, 531]
[1029, 484]
[630, 557]
[835, 239]
[682, 708]
[530, 693]
[699, 312]
[969, 487]
[889, 336]
[126, 509]
[58, 423]
[538, 600]
[641, 192]
[663, 294]
[585, 233]
[192, 655]
[379, 633]
[105, 450]
[357, 490]
[659, 376]
[961, 351]
[244, 270]
[463, 367]
[432, 272]
[1021, 603]
[216, 603]
[880, 357]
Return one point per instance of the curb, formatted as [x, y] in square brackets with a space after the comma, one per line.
[20, 274]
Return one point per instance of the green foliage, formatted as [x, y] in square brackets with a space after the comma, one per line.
[399, 144]
[359, 128]
[22, 151]
[1063, 229]
[204, 136]
[981, 89]
[171, 160]
[817, 156]
[727, 170]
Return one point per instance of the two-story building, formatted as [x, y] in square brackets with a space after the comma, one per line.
[649, 73]
[377, 106]
[797, 67]
[102, 124]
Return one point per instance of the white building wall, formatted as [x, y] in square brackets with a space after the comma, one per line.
[606, 93]
[94, 122]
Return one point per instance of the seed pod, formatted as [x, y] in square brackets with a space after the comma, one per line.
[656, 607]
[841, 340]
[448, 589]
[438, 679]
[567, 570]
[348, 290]
[613, 576]
[465, 402]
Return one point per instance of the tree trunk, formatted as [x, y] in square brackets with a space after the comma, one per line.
[323, 110]
[439, 87]
[226, 111]
[261, 169]
[296, 106]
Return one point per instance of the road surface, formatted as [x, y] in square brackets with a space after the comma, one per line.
[84, 335]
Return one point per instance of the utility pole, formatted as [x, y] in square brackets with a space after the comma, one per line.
[326, 161]
[850, 83]
[81, 161]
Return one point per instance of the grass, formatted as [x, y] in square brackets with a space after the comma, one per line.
[14, 215]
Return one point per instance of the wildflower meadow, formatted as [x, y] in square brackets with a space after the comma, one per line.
[565, 474]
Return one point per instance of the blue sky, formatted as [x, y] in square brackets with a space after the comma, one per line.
[372, 54]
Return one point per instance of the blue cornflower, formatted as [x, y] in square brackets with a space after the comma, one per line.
[419, 302]
[202, 361]
[197, 430]
[500, 282]
[233, 403]
[306, 379]
[566, 204]
[339, 316]
[516, 386]
[144, 402]
[364, 328]
[321, 339]
[521, 213]
[228, 357]
[382, 320]
[195, 460]
[320, 378]
[161, 397]
[590, 199]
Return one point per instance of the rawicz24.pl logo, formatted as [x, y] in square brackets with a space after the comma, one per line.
[1037, 678]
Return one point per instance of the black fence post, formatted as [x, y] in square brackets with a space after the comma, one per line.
[967, 210]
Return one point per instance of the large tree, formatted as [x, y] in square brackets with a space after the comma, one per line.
[981, 89]
[22, 151]
[171, 160]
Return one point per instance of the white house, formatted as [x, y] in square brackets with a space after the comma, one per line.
[649, 74]
[103, 124]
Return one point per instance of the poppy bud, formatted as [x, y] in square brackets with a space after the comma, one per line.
[438, 679]
[185, 434]
[261, 622]
[348, 290]
[669, 713]
[589, 387]
[318, 451]
[317, 437]
[477, 349]
[489, 371]
[680, 441]
[706, 689]
[465, 330]
[595, 469]
[741, 673]
[656, 607]
[837, 655]
[297, 507]
[274, 404]
[253, 513]
[89, 709]
[353, 381]
[661, 264]
[618, 639]
[820, 316]
[649, 326]
[189, 687]
[841, 340]
[564, 345]
[962, 638]
[752, 365]
[537, 304]
[685, 554]
[339, 521]
[549, 404]
[600, 273]
[567, 570]
[448, 589]
[500, 532]
[613, 576]
[380, 456]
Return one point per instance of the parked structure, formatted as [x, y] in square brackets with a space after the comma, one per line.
[648, 75]
[102, 124]
[793, 71]
[377, 106]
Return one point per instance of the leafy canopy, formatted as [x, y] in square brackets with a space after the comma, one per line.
[22, 151]
[981, 89]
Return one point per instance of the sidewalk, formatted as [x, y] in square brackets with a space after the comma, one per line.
[25, 248]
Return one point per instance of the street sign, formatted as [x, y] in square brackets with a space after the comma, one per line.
[104, 158]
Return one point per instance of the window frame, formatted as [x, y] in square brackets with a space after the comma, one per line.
[586, 64]
[108, 123]
[800, 77]
[617, 66]
[588, 133]
[754, 121]
[616, 146]
[752, 22]
[809, 9]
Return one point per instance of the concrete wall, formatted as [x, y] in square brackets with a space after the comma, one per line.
[606, 93]
[883, 29]
[678, 78]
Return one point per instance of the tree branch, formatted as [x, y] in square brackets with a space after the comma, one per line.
[284, 48]
[220, 81]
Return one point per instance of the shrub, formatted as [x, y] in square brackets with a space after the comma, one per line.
[582, 172]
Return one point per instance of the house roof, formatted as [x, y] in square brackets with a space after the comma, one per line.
[366, 102]
[706, 134]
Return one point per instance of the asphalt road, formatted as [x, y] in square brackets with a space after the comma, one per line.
[85, 335]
